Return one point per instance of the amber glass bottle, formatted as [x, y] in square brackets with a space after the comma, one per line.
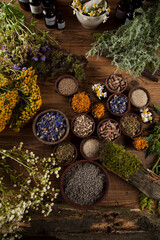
[24, 4]
[49, 13]
[36, 8]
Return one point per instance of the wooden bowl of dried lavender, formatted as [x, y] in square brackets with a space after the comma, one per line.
[108, 129]
[66, 85]
[65, 153]
[80, 188]
[90, 148]
[131, 125]
[51, 126]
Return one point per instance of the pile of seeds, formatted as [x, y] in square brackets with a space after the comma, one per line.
[67, 86]
[81, 102]
[131, 125]
[64, 153]
[109, 130]
[139, 98]
[91, 148]
[51, 127]
[118, 104]
[83, 125]
[116, 83]
[84, 184]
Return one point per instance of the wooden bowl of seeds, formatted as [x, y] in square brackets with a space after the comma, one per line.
[80, 188]
[90, 148]
[116, 83]
[131, 125]
[118, 104]
[108, 129]
[66, 85]
[139, 97]
[82, 125]
[51, 126]
[65, 153]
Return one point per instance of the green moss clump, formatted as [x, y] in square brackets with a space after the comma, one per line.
[115, 158]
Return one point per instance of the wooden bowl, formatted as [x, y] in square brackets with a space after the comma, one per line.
[100, 124]
[138, 118]
[72, 125]
[105, 115]
[115, 91]
[108, 104]
[70, 103]
[39, 116]
[75, 153]
[63, 77]
[105, 191]
[141, 88]
[82, 144]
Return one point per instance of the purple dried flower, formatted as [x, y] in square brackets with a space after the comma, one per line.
[43, 58]
[24, 68]
[29, 50]
[35, 59]
[49, 48]
[44, 49]
[16, 67]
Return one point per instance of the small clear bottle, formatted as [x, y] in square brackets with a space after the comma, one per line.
[121, 11]
[36, 8]
[24, 4]
[60, 21]
[49, 13]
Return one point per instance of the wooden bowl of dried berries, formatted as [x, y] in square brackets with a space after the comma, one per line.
[118, 104]
[90, 148]
[116, 83]
[131, 125]
[139, 97]
[81, 102]
[108, 129]
[82, 125]
[51, 126]
[84, 184]
[66, 85]
[65, 153]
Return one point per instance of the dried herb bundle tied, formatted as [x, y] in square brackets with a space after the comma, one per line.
[135, 45]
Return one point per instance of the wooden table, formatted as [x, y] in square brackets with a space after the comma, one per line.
[77, 40]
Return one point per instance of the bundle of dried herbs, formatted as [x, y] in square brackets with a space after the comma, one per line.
[135, 45]
[24, 45]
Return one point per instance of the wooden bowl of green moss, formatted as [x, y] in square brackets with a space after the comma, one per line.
[65, 153]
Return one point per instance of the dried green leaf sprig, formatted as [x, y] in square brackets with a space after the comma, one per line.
[29, 189]
[135, 45]
[118, 160]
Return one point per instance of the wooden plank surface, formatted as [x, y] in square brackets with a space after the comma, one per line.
[77, 40]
